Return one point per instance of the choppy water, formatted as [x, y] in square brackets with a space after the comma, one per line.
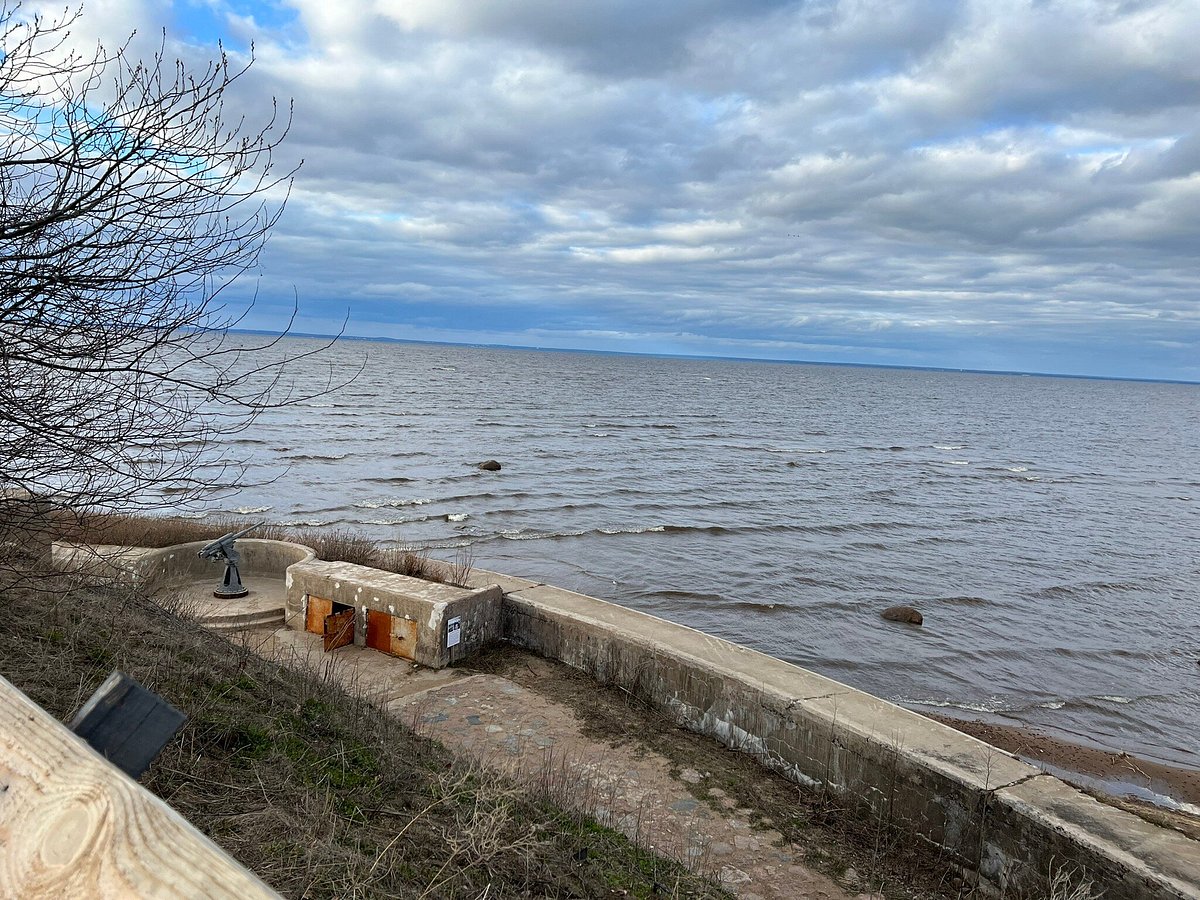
[1048, 529]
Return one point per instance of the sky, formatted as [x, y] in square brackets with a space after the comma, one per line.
[989, 185]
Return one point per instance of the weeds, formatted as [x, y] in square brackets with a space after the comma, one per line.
[1067, 884]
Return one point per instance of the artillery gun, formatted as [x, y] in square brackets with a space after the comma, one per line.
[222, 548]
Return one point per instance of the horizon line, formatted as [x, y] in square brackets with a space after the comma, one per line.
[707, 356]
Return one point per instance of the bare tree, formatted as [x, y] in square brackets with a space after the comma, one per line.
[129, 204]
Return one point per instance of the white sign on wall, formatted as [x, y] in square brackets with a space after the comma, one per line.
[453, 632]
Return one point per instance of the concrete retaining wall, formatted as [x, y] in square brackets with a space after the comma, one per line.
[1000, 818]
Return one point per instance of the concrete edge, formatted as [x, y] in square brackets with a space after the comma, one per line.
[1006, 821]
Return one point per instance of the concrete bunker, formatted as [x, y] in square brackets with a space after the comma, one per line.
[433, 625]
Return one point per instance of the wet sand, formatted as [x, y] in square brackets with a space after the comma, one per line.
[1164, 794]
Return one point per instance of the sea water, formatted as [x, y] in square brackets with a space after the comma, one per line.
[1047, 528]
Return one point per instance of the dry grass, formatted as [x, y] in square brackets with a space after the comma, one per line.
[314, 788]
[1067, 884]
[340, 545]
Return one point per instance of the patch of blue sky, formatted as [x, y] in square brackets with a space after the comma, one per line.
[207, 22]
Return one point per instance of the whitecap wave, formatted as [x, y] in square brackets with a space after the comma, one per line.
[457, 517]
[991, 705]
[1113, 698]
[949, 446]
[1016, 468]
[251, 510]
[959, 462]
[383, 504]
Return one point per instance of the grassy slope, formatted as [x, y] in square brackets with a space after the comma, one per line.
[318, 792]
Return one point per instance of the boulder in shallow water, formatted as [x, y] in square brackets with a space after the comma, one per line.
[903, 614]
[490, 465]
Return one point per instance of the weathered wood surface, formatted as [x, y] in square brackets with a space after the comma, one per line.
[72, 825]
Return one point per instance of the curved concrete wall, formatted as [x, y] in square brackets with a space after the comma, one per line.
[1009, 823]
[269, 559]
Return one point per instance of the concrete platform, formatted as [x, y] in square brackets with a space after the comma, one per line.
[263, 606]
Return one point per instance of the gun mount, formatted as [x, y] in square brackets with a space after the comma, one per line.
[223, 548]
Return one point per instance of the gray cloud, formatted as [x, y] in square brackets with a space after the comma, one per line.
[901, 180]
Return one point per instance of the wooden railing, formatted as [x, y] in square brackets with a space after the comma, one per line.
[72, 825]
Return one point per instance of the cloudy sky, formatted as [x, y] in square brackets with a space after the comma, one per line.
[994, 184]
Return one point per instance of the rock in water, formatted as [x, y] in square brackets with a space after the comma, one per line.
[903, 614]
[490, 465]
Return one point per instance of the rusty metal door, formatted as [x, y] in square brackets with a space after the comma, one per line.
[392, 634]
[314, 617]
[339, 629]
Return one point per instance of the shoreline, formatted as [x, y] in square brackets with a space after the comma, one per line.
[1163, 793]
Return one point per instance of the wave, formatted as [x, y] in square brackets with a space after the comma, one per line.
[322, 457]
[949, 446]
[990, 705]
[961, 601]
[251, 510]
[394, 503]
[521, 534]
[457, 517]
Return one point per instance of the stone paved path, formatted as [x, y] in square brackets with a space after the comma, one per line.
[540, 741]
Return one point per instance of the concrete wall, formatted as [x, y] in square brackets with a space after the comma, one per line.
[258, 557]
[429, 605]
[999, 817]
[148, 564]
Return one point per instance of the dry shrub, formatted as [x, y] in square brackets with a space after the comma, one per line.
[159, 531]
[413, 563]
[341, 545]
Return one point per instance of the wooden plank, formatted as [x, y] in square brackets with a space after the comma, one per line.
[318, 609]
[72, 825]
[339, 630]
[127, 724]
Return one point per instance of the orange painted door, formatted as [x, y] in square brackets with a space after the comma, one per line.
[318, 609]
[391, 634]
[339, 629]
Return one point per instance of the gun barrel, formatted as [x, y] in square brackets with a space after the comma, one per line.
[224, 544]
[237, 534]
